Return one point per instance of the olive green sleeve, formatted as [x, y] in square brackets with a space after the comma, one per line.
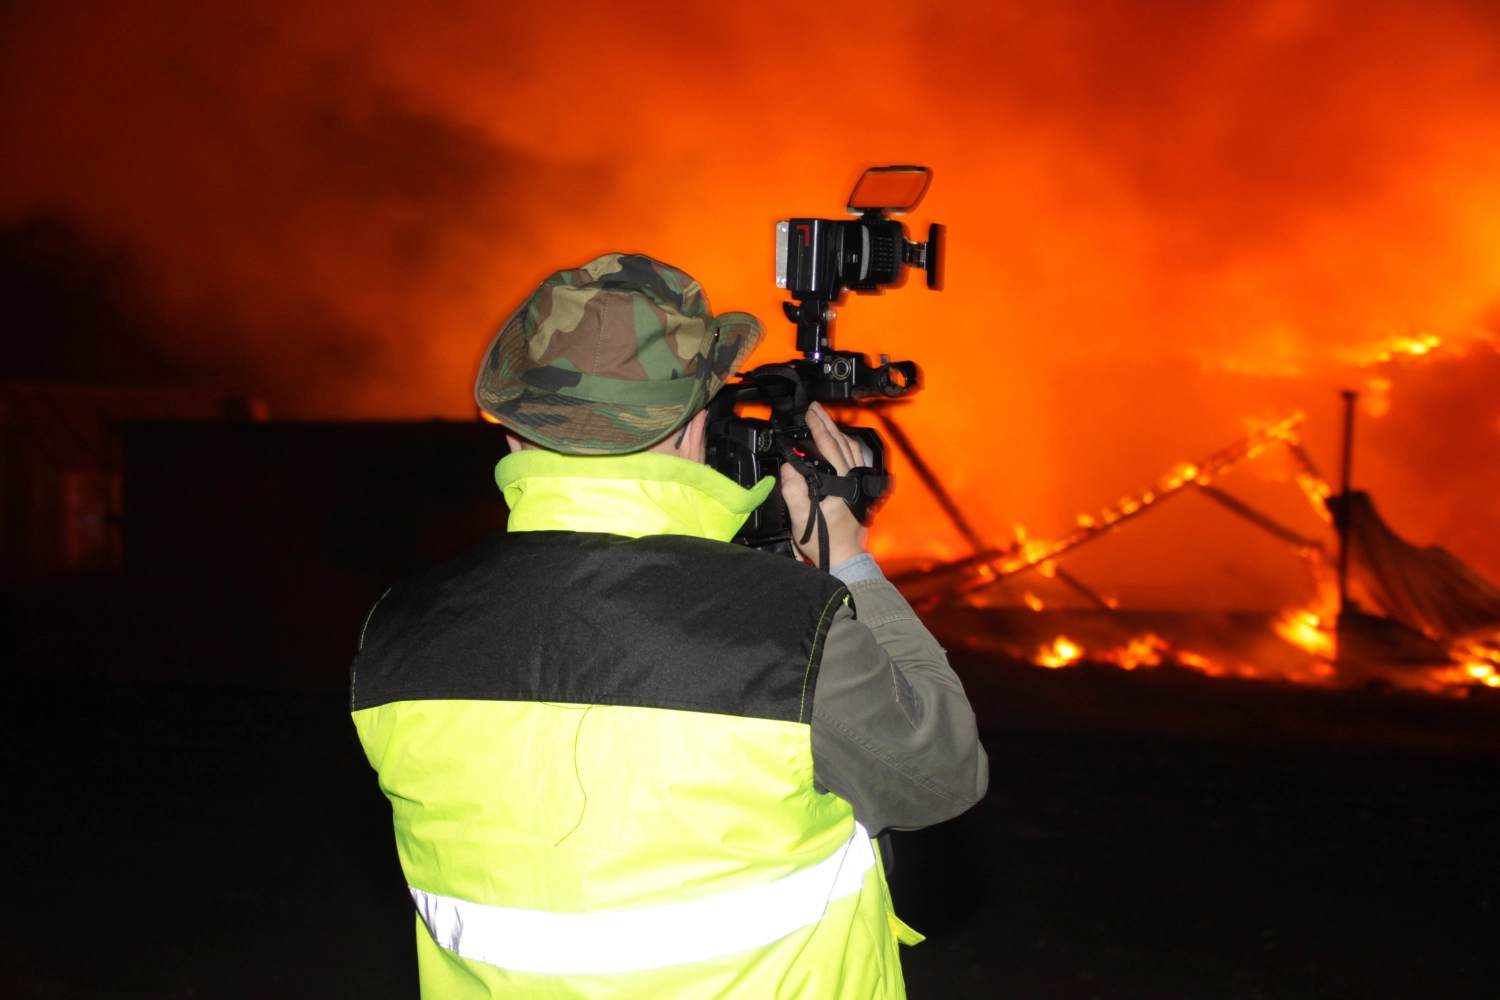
[892, 731]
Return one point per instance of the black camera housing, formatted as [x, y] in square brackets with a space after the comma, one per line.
[817, 261]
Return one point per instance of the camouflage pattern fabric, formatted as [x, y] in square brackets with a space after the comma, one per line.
[611, 357]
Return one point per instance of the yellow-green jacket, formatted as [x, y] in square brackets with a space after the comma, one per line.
[594, 731]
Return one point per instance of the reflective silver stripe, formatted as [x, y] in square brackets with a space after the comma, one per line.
[650, 938]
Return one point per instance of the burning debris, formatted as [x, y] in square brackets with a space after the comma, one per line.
[989, 565]
[1147, 649]
[1438, 629]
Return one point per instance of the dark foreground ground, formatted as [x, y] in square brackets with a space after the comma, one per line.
[1171, 837]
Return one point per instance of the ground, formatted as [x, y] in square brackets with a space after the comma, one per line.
[1167, 837]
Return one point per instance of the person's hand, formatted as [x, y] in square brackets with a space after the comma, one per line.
[846, 536]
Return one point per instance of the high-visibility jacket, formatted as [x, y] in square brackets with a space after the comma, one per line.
[594, 734]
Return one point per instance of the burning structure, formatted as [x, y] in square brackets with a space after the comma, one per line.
[1385, 609]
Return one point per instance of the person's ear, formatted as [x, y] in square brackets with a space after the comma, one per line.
[693, 445]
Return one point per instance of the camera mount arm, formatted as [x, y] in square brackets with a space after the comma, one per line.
[812, 316]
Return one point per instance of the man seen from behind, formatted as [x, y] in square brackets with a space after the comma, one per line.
[626, 758]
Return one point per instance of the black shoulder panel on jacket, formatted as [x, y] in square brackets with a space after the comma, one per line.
[665, 621]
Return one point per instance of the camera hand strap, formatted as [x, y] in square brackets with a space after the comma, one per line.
[860, 481]
[815, 494]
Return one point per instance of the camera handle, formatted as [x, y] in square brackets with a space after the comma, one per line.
[791, 413]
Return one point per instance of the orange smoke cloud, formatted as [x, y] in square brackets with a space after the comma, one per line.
[1164, 218]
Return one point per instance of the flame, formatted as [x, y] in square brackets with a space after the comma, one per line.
[1145, 650]
[1202, 664]
[1061, 652]
[1414, 346]
[1305, 630]
[1026, 552]
[1478, 661]
[1311, 629]
[1316, 489]
[1149, 650]
[1142, 651]
[1484, 673]
[1398, 345]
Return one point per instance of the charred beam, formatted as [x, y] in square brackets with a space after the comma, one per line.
[1089, 594]
[1256, 518]
[931, 481]
[980, 569]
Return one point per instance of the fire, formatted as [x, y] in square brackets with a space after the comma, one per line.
[1202, 664]
[1415, 346]
[1484, 673]
[1479, 661]
[1148, 650]
[1026, 553]
[1145, 650]
[1306, 630]
[1316, 490]
[1312, 630]
[1141, 651]
[1061, 652]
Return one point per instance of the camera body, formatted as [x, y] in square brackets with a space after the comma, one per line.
[817, 261]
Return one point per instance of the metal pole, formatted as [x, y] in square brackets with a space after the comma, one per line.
[1344, 507]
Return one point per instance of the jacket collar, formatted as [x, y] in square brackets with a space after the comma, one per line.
[645, 493]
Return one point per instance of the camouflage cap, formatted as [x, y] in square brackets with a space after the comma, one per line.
[611, 357]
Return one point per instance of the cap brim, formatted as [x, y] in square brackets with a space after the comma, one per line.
[582, 427]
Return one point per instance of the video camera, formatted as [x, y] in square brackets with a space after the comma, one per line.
[817, 260]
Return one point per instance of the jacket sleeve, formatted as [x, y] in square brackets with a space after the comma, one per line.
[892, 731]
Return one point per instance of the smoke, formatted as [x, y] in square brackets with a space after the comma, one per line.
[1164, 218]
